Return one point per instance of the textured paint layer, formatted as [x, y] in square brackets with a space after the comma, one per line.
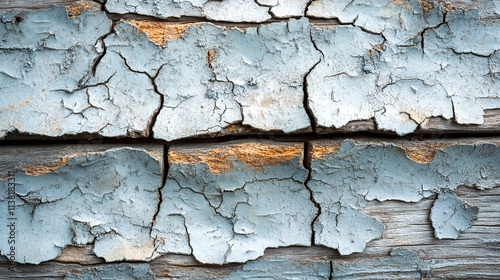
[107, 198]
[212, 77]
[233, 215]
[450, 216]
[394, 63]
[344, 178]
[401, 66]
[48, 61]
[226, 10]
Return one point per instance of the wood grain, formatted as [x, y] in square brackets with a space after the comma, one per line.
[474, 255]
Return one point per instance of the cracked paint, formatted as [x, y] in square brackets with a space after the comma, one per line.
[131, 80]
[400, 22]
[450, 216]
[226, 10]
[397, 62]
[49, 62]
[231, 215]
[345, 177]
[405, 72]
[107, 199]
[252, 77]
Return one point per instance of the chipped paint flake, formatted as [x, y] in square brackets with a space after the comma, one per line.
[450, 216]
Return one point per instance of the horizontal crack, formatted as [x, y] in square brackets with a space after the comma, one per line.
[86, 138]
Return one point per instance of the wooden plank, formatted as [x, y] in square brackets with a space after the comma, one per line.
[407, 248]
[474, 255]
[33, 4]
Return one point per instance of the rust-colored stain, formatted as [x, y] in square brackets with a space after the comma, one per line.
[426, 5]
[321, 150]
[23, 103]
[161, 32]
[254, 155]
[423, 153]
[403, 3]
[36, 170]
[210, 57]
[76, 8]
[376, 48]
[234, 128]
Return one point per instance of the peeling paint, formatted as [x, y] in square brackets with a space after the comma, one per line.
[46, 63]
[450, 216]
[107, 199]
[252, 77]
[392, 63]
[397, 62]
[227, 10]
[359, 171]
[398, 21]
[429, 65]
[233, 215]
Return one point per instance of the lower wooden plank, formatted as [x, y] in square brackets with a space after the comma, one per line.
[407, 250]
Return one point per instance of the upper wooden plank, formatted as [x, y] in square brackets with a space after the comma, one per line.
[400, 67]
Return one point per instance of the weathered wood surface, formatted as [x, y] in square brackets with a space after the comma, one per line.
[474, 255]
[320, 209]
[73, 195]
[33, 4]
[142, 77]
[407, 247]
